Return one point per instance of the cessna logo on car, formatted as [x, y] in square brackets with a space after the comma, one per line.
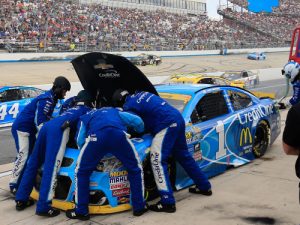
[245, 137]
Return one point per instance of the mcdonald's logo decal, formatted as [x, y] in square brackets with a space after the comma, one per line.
[245, 137]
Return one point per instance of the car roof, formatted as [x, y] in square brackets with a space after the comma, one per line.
[187, 89]
[4, 88]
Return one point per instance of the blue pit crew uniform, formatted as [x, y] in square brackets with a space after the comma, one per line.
[167, 126]
[69, 103]
[105, 131]
[49, 149]
[296, 94]
[24, 130]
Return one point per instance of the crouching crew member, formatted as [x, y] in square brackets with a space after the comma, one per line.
[167, 126]
[49, 149]
[29, 121]
[105, 130]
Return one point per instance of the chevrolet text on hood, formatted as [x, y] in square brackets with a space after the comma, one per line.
[102, 73]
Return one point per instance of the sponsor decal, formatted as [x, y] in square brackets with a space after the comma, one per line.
[118, 180]
[197, 155]
[121, 192]
[124, 199]
[245, 137]
[139, 100]
[118, 173]
[16, 172]
[115, 180]
[93, 184]
[255, 114]
[188, 135]
[119, 186]
[109, 74]
[156, 166]
[93, 137]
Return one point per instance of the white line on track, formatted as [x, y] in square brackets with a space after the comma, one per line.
[4, 174]
[5, 129]
[280, 85]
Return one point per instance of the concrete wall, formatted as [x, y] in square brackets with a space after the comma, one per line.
[67, 56]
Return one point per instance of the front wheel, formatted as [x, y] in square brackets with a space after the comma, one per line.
[151, 191]
[261, 139]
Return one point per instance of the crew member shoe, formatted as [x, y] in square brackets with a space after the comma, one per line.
[50, 213]
[159, 207]
[139, 212]
[13, 191]
[196, 190]
[72, 214]
[21, 205]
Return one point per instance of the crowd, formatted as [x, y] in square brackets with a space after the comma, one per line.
[277, 26]
[76, 27]
[286, 7]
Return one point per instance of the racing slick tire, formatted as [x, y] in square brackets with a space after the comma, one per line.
[261, 139]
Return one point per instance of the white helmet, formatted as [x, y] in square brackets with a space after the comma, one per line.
[291, 70]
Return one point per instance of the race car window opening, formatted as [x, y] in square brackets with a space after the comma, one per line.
[231, 76]
[220, 82]
[210, 106]
[206, 81]
[10, 95]
[30, 93]
[239, 100]
[244, 74]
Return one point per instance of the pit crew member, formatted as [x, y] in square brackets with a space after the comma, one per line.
[290, 137]
[105, 130]
[49, 149]
[292, 71]
[29, 121]
[167, 126]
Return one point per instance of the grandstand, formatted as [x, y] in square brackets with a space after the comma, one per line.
[196, 7]
[133, 25]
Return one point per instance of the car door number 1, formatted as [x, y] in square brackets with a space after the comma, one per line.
[220, 130]
[14, 110]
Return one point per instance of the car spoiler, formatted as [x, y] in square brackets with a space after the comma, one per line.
[102, 73]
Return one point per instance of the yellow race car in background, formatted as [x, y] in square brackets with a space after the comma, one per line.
[197, 78]
[204, 79]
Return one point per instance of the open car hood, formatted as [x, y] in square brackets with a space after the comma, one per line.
[102, 73]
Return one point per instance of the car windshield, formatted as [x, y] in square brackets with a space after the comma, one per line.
[231, 76]
[178, 101]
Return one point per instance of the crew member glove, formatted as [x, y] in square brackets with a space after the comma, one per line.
[65, 125]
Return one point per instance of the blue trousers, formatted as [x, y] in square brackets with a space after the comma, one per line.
[49, 149]
[171, 141]
[114, 141]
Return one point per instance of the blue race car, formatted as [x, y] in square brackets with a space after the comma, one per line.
[225, 126]
[12, 101]
[256, 56]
